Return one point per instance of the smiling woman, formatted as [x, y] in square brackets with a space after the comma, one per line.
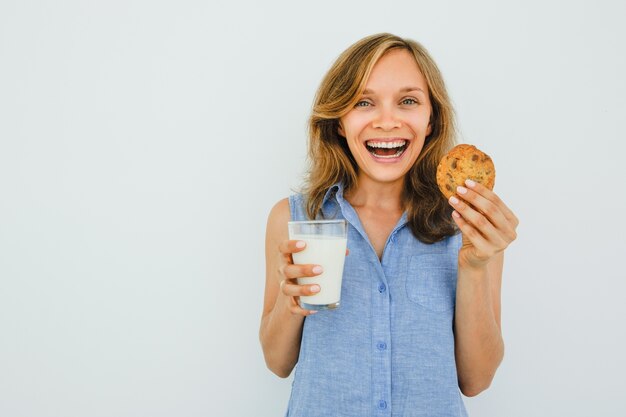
[419, 321]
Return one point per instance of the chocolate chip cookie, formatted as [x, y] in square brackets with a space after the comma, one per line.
[461, 163]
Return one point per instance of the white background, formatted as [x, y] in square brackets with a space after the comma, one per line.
[143, 143]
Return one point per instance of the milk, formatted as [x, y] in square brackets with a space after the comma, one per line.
[329, 252]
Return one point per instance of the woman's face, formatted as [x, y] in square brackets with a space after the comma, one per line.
[386, 129]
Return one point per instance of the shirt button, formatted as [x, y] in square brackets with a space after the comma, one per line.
[382, 288]
[382, 404]
[381, 345]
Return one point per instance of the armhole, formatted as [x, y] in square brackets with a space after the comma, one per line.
[455, 242]
[292, 207]
[296, 207]
[458, 240]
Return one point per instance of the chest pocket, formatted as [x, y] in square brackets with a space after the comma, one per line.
[431, 283]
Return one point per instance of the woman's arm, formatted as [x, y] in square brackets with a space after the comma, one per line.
[479, 347]
[488, 227]
[282, 319]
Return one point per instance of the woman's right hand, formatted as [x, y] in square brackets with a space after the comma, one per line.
[289, 272]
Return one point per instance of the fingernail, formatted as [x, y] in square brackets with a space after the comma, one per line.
[300, 244]
[461, 190]
[318, 269]
[470, 183]
[454, 200]
[315, 288]
[312, 311]
[456, 214]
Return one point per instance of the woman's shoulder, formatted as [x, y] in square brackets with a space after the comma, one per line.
[280, 211]
[286, 209]
[276, 230]
[297, 205]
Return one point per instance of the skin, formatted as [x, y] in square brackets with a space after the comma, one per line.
[396, 105]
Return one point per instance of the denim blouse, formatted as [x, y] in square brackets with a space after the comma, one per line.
[388, 350]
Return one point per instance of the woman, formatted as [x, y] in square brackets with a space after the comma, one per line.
[420, 308]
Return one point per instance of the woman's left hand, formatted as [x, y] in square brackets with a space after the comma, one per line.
[487, 224]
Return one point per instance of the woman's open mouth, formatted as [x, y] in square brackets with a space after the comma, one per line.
[386, 149]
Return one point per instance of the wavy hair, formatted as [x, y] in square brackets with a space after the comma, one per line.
[330, 159]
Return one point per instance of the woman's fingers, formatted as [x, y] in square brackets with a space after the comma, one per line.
[490, 207]
[291, 271]
[493, 198]
[484, 205]
[295, 290]
[469, 231]
[296, 309]
[478, 221]
[483, 250]
[287, 247]
[485, 221]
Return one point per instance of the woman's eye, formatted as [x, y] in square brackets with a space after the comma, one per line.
[362, 103]
[409, 101]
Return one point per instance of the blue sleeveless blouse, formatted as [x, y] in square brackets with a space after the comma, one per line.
[388, 350]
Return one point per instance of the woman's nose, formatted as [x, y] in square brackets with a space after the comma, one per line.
[386, 119]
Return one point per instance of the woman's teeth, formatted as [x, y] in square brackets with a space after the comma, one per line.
[395, 144]
[386, 149]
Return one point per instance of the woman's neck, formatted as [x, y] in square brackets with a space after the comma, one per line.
[376, 195]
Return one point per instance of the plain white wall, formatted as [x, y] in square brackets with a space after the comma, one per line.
[142, 144]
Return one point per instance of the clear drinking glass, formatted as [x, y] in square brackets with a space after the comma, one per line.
[326, 242]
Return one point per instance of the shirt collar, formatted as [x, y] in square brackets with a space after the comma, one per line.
[336, 188]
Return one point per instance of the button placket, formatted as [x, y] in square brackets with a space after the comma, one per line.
[381, 337]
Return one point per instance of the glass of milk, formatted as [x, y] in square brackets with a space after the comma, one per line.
[326, 242]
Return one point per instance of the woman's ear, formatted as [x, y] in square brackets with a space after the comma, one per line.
[340, 129]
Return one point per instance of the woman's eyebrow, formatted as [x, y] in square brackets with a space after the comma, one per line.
[407, 89]
[402, 90]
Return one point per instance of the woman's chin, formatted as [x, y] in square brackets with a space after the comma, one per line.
[385, 175]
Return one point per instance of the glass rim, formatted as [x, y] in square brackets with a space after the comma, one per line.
[316, 221]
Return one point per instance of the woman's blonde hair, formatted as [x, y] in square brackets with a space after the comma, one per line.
[330, 159]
